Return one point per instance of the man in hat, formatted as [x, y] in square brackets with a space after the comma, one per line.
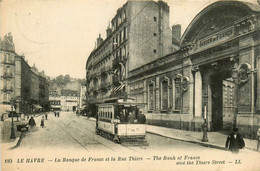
[235, 141]
[258, 139]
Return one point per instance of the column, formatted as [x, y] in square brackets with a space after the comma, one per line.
[145, 96]
[157, 94]
[198, 94]
[258, 84]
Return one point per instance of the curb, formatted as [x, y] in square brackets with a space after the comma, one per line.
[180, 139]
[18, 142]
[190, 141]
[185, 140]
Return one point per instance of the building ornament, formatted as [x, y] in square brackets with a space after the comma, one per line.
[240, 74]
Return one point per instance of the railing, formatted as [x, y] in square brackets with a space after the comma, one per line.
[116, 79]
[120, 59]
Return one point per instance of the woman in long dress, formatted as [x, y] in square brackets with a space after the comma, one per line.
[42, 122]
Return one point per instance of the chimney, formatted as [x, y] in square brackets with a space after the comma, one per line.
[176, 32]
[109, 30]
[99, 40]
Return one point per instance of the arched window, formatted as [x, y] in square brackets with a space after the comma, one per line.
[151, 98]
[177, 97]
[165, 94]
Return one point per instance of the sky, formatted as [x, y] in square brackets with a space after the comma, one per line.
[58, 35]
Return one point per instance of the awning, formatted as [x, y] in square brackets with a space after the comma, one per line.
[118, 88]
[36, 106]
[55, 107]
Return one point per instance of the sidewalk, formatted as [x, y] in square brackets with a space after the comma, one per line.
[215, 139]
[5, 126]
[6, 142]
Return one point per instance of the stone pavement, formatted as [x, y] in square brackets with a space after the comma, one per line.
[215, 139]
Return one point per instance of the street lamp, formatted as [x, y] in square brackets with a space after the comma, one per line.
[205, 126]
[12, 126]
[234, 75]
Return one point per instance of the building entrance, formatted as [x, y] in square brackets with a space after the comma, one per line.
[222, 100]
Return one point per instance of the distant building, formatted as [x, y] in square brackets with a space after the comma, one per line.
[55, 102]
[82, 97]
[20, 82]
[70, 100]
[7, 68]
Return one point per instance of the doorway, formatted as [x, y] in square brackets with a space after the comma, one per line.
[222, 98]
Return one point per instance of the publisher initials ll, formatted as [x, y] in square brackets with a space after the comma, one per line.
[237, 162]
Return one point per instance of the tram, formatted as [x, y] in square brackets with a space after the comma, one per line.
[120, 120]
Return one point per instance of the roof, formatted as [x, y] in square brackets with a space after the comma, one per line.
[215, 10]
[69, 93]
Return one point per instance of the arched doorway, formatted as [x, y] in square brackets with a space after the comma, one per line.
[218, 94]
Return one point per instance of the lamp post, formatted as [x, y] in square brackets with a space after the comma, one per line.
[12, 125]
[235, 78]
[205, 126]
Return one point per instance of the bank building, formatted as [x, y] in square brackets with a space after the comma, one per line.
[211, 72]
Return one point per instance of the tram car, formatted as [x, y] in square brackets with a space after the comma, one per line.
[121, 121]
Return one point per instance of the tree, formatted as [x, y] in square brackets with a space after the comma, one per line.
[59, 80]
[66, 78]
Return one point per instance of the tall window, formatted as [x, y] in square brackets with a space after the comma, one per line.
[7, 58]
[8, 84]
[177, 94]
[165, 95]
[151, 96]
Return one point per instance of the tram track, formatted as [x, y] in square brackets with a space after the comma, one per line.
[135, 147]
[95, 141]
[71, 135]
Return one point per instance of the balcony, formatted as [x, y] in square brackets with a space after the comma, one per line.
[119, 60]
[116, 80]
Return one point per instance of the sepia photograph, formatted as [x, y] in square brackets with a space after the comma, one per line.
[130, 85]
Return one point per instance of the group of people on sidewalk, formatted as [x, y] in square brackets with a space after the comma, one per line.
[32, 122]
[56, 113]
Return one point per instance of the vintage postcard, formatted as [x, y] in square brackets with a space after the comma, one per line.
[130, 85]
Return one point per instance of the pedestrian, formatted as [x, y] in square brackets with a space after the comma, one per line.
[42, 122]
[55, 113]
[258, 139]
[58, 114]
[32, 122]
[141, 118]
[46, 116]
[235, 141]
[131, 118]
[122, 117]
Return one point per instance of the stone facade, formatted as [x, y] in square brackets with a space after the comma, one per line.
[70, 100]
[213, 76]
[7, 68]
[135, 38]
[20, 82]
